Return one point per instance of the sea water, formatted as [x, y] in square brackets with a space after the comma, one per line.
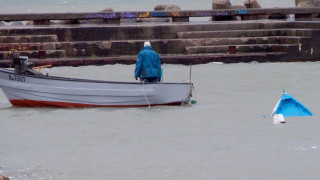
[49, 6]
[228, 134]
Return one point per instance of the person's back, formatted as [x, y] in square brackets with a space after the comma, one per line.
[148, 65]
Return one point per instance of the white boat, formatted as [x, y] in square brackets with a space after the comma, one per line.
[42, 91]
[24, 86]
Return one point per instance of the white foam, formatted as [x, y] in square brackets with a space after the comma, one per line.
[304, 149]
[217, 62]
[300, 148]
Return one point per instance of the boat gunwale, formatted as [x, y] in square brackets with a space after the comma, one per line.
[8, 71]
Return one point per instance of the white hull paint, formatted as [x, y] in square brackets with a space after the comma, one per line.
[42, 91]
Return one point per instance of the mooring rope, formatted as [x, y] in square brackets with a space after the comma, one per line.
[192, 89]
[195, 92]
[145, 95]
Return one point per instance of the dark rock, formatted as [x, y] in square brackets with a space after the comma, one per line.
[252, 4]
[172, 7]
[160, 7]
[307, 3]
[221, 4]
[107, 10]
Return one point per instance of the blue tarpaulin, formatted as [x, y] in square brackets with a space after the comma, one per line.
[289, 106]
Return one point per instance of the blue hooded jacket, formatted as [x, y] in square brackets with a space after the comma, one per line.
[148, 64]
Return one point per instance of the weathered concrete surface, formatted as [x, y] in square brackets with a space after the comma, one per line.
[158, 7]
[278, 16]
[307, 3]
[253, 4]
[106, 41]
[133, 32]
[35, 54]
[45, 18]
[222, 4]
[28, 38]
[168, 46]
[31, 46]
[168, 59]
[102, 21]
[244, 33]
[174, 8]
[244, 48]
[90, 21]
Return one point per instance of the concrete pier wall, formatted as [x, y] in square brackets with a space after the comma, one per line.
[183, 42]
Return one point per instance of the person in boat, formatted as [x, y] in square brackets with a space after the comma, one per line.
[148, 65]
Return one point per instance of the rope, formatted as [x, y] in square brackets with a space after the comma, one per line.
[191, 90]
[145, 95]
[195, 92]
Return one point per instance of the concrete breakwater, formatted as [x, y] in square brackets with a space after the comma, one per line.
[177, 42]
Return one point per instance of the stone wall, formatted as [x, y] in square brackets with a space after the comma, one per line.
[191, 41]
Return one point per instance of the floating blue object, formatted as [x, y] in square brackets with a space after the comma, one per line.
[289, 106]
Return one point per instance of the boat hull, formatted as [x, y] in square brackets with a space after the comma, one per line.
[42, 91]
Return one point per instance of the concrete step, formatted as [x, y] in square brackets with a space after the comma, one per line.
[163, 46]
[244, 33]
[173, 59]
[166, 46]
[28, 38]
[244, 48]
[139, 31]
[165, 58]
[35, 54]
[245, 40]
[30, 46]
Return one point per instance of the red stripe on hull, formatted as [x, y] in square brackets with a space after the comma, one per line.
[33, 103]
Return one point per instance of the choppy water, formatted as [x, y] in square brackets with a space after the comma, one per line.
[223, 136]
[44, 6]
